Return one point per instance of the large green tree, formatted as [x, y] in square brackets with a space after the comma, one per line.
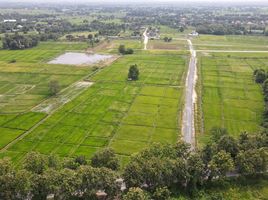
[105, 158]
[220, 164]
[133, 72]
[136, 194]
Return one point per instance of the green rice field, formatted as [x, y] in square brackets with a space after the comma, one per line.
[230, 97]
[127, 116]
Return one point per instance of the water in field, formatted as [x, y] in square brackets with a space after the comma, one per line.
[79, 58]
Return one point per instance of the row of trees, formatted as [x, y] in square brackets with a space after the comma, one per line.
[16, 41]
[167, 39]
[124, 51]
[152, 173]
[261, 77]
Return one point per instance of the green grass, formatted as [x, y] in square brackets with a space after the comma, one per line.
[231, 42]
[25, 84]
[43, 52]
[230, 97]
[175, 44]
[127, 116]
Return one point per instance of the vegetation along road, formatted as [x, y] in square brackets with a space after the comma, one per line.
[188, 129]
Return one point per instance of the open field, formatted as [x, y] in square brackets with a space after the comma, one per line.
[230, 97]
[25, 84]
[173, 45]
[127, 116]
[42, 53]
[229, 42]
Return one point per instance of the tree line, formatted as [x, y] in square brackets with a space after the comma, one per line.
[22, 41]
[18, 41]
[153, 173]
[261, 77]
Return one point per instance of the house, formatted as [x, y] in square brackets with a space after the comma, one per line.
[194, 33]
[10, 20]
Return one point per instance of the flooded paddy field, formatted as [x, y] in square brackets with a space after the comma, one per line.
[71, 58]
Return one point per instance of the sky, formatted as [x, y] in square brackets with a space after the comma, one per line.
[115, 1]
[211, 2]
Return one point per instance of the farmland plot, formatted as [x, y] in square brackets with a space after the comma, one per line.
[25, 84]
[230, 97]
[43, 52]
[127, 116]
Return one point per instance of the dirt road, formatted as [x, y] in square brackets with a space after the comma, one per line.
[188, 129]
[146, 39]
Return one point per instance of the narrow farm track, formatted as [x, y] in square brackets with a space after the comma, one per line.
[232, 51]
[146, 39]
[188, 129]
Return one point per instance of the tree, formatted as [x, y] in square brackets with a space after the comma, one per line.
[6, 179]
[133, 73]
[135, 194]
[157, 166]
[105, 158]
[246, 142]
[129, 51]
[161, 194]
[217, 132]
[90, 37]
[44, 184]
[122, 49]
[69, 37]
[54, 161]
[18, 41]
[35, 162]
[94, 179]
[68, 184]
[196, 169]
[260, 75]
[54, 87]
[5, 166]
[81, 160]
[228, 144]
[220, 164]
[252, 161]
[22, 184]
[167, 39]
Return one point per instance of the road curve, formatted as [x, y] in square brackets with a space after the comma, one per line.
[188, 129]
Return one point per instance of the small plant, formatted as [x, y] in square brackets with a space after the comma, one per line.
[133, 73]
[13, 61]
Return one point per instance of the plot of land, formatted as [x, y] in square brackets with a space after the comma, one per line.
[212, 42]
[43, 52]
[127, 116]
[25, 84]
[230, 97]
